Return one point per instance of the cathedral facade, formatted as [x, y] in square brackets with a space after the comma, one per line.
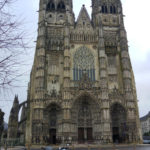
[82, 86]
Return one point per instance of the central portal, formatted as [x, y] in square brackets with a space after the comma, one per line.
[84, 122]
[52, 139]
[84, 134]
[86, 117]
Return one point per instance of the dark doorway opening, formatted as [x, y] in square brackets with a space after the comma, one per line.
[119, 120]
[52, 133]
[84, 134]
[89, 134]
[116, 135]
[81, 135]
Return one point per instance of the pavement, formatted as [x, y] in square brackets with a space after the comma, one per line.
[89, 147]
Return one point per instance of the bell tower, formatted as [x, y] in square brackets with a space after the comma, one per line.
[109, 12]
[107, 18]
[56, 12]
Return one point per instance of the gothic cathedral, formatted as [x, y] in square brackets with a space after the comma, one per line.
[82, 86]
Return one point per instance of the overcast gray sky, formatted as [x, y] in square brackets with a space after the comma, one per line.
[137, 23]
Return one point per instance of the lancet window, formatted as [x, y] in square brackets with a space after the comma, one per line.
[61, 6]
[104, 9]
[112, 9]
[51, 6]
[83, 64]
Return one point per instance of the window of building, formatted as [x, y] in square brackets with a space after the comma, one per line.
[50, 6]
[112, 9]
[104, 9]
[83, 64]
[61, 6]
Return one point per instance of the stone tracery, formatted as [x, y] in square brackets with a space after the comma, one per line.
[83, 64]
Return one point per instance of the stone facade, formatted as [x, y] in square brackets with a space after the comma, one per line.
[13, 120]
[145, 123]
[82, 86]
[16, 125]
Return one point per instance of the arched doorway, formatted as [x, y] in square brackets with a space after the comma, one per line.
[119, 123]
[53, 115]
[84, 122]
[86, 115]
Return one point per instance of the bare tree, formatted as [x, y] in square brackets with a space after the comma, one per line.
[12, 45]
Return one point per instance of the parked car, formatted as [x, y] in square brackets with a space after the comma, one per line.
[146, 141]
[64, 148]
[47, 148]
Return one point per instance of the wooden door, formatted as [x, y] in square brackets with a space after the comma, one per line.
[52, 136]
[115, 134]
[89, 134]
[81, 135]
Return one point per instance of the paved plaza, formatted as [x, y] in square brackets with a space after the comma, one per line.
[118, 147]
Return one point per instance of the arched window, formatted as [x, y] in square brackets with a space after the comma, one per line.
[61, 6]
[111, 9]
[114, 9]
[83, 64]
[104, 9]
[50, 6]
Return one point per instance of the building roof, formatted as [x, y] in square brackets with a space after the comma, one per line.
[146, 137]
[144, 118]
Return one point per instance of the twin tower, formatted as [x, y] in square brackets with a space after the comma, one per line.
[82, 86]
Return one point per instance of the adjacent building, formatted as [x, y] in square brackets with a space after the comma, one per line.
[82, 86]
[145, 123]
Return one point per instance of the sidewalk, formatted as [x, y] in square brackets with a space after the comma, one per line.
[80, 146]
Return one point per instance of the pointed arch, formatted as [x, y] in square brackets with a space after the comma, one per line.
[86, 116]
[61, 6]
[118, 115]
[52, 114]
[50, 6]
[104, 8]
[113, 9]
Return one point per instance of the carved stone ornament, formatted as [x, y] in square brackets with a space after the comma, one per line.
[85, 82]
[115, 93]
[53, 94]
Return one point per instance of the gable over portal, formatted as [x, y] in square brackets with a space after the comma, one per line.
[83, 21]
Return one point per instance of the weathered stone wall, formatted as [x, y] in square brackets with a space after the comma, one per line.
[58, 84]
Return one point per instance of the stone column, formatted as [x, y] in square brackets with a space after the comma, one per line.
[104, 88]
[129, 87]
[66, 88]
[37, 88]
